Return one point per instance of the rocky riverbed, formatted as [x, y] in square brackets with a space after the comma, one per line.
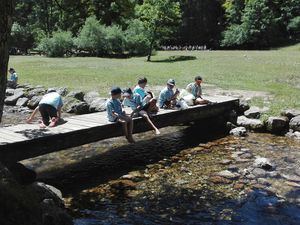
[181, 177]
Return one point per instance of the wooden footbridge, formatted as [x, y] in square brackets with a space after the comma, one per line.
[25, 141]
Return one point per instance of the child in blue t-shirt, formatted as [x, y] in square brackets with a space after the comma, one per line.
[116, 114]
[135, 102]
[13, 79]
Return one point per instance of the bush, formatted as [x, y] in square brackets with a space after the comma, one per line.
[21, 37]
[294, 26]
[235, 35]
[137, 41]
[58, 45]
[116, 40]
[92, 37]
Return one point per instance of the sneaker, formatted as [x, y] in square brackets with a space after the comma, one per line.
[53, 122]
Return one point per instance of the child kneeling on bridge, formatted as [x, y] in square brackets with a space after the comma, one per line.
[116, 114]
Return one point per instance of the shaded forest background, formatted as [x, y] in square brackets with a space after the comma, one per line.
[229, 24]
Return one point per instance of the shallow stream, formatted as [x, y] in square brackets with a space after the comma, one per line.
[175, 178]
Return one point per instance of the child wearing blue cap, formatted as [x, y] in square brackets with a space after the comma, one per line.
[116, 114]
[167, 96]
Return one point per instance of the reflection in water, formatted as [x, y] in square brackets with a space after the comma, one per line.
[171, 179]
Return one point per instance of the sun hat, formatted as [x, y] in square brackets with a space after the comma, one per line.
[171, 82]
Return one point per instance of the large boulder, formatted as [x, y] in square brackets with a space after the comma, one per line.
[295, 123]
[254, 112]
[91, 96]
[22, 101]
[239, 132]
[34, 102]
[60, 90]
[290, 113]
[9, 92]
[277, 125]
[243, 106]
[77, 94]
[35, 92]
[73, 105]
[98, 105]
[29, 204]
[12, 100]
[251, 124]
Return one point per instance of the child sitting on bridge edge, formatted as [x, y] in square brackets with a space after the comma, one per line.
[196, 90]
[167, 97]
[135, 102]
[116, 114]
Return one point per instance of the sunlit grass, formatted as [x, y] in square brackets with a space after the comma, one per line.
[276, 72]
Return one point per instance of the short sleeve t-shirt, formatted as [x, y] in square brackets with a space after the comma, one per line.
[113, 106]
[13, 77]
[139, 90]
[133, 102]
[194, 89]
[53, 99]
[165, 95]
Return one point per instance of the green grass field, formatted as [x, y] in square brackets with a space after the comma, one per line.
[276, 72]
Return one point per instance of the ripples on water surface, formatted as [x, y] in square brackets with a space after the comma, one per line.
[171, 179]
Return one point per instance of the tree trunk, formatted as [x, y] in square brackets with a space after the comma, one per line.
[6, 13]
[150, 51]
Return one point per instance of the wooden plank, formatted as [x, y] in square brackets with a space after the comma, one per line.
[12, 134]
[81, 122]
[98, 120]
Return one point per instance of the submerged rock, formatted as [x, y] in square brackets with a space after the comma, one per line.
[239, 131]
[227, 174]
[263, 163]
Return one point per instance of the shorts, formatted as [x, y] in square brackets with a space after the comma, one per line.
[47, 112]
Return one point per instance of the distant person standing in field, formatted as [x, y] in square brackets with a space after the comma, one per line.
[50, 109]
[116, 114]
[167, 97]
[196, 90]
[13, 79]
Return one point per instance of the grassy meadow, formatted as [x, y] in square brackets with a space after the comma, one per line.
[276, 71]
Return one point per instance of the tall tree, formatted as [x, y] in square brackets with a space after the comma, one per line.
[161, 18]
[6, 13]
[202, 22]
